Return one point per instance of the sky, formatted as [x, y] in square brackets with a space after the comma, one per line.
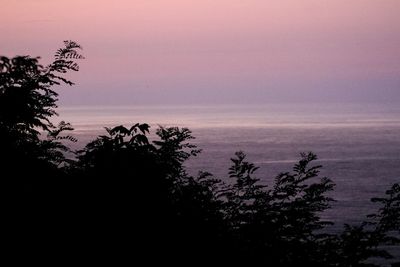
[215, 51]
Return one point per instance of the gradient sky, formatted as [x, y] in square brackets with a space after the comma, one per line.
[215, 51]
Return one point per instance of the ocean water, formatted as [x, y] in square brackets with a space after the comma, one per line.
[358, 145]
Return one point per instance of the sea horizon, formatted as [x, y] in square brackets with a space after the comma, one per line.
[356, 144]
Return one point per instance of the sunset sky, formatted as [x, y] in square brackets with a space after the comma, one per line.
[215, 51]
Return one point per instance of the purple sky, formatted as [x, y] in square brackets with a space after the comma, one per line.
[215, 51]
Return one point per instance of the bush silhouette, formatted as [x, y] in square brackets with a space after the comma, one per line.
[126, 196]
[27, 102]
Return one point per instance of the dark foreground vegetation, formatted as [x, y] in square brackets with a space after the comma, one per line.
[127, 198]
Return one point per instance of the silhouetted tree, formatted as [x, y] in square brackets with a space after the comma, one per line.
[139, 188]
[27, 103]
[278, 226]
[32, 150]
[359, 243]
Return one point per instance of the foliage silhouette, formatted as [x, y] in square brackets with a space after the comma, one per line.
[282, 220]
[127, 195]
[32, 154]
[27, 102]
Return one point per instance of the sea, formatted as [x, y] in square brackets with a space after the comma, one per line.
[358, 145]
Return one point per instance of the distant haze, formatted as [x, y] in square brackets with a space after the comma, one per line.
[215, 51]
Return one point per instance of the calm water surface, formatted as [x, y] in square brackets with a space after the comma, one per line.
[358, 145]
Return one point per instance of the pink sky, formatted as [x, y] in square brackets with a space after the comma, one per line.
[221, 51]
